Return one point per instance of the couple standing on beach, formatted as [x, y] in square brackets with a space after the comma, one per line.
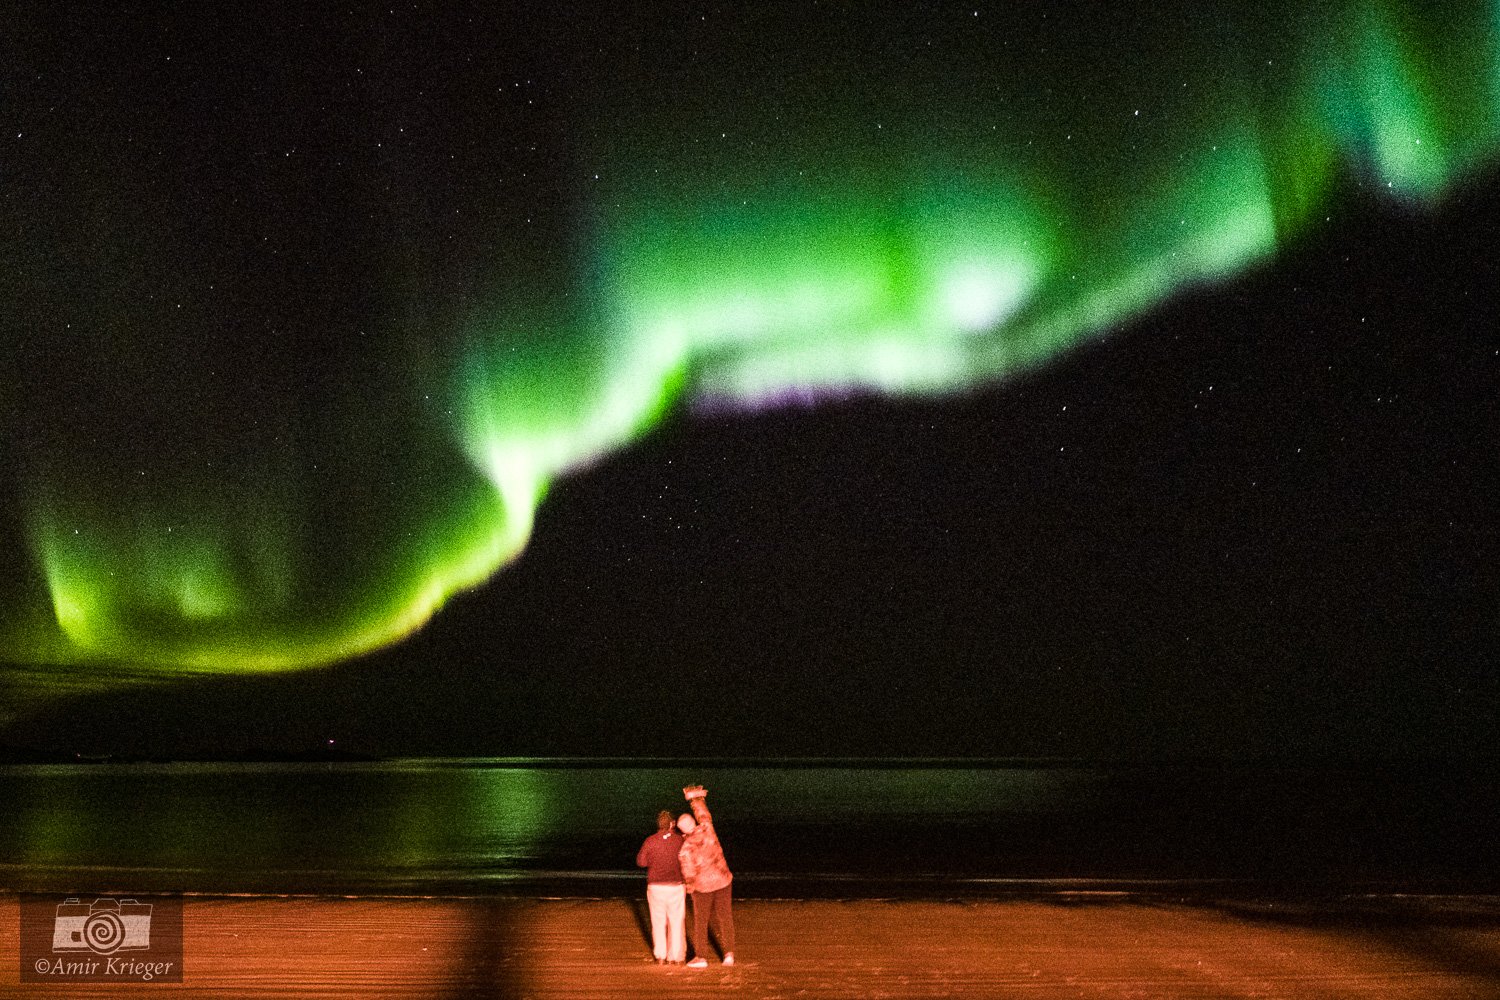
[685, 859]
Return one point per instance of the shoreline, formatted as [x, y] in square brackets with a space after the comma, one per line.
[1078, 946]
[848, 887]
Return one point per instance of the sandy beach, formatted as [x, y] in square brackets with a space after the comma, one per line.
[1068, 946]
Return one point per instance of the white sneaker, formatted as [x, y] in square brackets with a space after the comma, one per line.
[698, 963]
[729, 958]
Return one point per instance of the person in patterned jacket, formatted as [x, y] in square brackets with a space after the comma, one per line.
[708, 879]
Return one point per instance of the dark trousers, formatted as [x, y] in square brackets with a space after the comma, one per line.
[713, 910]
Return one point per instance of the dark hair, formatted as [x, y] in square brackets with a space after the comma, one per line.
[663, 820]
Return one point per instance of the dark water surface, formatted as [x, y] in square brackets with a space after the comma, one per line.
[789, 827]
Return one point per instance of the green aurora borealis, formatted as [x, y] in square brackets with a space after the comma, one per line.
[294, 361]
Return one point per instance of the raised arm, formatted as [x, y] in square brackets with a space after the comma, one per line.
[697, 797]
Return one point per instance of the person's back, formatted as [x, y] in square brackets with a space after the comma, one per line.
[665, 893]
[659, 854]
[708, 878]
[702, 857]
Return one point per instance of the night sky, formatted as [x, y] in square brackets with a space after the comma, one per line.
[778, 379]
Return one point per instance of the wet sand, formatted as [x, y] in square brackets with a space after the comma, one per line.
[1067, 946]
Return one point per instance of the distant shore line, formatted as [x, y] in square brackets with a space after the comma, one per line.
[847, 887]
[13, 756]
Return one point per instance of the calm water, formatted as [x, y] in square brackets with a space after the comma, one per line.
[851, 828]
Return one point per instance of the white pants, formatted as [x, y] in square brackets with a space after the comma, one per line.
[668, 935]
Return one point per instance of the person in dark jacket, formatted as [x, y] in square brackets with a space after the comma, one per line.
[665, 893]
